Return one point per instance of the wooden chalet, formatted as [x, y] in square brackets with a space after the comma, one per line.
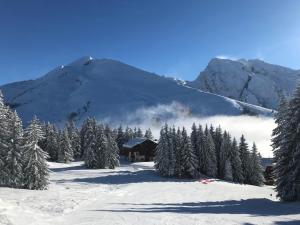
[139, 150]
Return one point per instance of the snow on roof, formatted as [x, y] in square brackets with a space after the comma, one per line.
[135, 141]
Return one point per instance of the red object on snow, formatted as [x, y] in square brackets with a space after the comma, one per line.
[205, 181]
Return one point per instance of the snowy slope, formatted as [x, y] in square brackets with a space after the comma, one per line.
[252, 81]
[135, 194]
[109, 90]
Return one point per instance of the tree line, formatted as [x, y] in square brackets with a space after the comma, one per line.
[207, 152]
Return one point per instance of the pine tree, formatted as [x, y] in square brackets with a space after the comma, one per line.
[121, 139]
[148, 134]
[36, 172]
[51, 144]
[179, 168]
[194, 138]
[87, 135]
[287, 150]
[199, 147]
[278, 134]
[256, 172]
[245, 158]
[189, 159]
[210, 167]
[90, 156]
[14, 161]
[139, 133]
[101, 149]
[164, 156]
[236, 163]
[225, 163]
[74, 139]
[128, 135]
[112, 153]
[65, 151]
[218, 139]
[3, 140]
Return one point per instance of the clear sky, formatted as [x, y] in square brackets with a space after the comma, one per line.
[168, 37]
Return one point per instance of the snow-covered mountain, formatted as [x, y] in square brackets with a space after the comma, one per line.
[252, 81]
[111, 90]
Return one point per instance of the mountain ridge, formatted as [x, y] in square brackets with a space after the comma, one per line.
[252, 81]
[110, 90]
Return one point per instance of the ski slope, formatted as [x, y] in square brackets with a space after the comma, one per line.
[135, 194]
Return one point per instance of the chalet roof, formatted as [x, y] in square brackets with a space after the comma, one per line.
[135, 141]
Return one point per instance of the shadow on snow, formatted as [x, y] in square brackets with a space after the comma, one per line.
[257, 207]
[126, 177]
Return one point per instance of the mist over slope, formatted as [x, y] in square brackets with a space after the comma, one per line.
[252, 81]
[110, 90]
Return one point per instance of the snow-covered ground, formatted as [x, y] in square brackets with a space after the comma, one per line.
[135, 194]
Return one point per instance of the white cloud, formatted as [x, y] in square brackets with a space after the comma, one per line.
[255, 129]
[227, 57]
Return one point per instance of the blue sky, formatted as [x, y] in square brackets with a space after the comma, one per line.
[166, 37]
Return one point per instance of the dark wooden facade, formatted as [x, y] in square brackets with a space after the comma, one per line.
[141, 152]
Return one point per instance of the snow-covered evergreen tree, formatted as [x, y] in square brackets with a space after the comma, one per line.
[90, 156]
[87, 131]
[210, 168]
[36, 172]
[256, 172]
[52, 142]
[245, 158]
[278, 134]
[101, 149]
[194, 137]
[189, 159]
[148, 134]
[165, 156]
[65, 151]
[225, 163]
[139, 133]
[236, 163]
[121, 139]
[128, 135]
[112, 156]
[74, 138]
[14, 160]
[287, 150]
[178, 148]
[4, 134]
[218, 139]
[87, 135]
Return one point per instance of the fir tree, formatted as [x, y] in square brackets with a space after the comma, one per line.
[218, 139]
[36, 171]
[225, 163]
[189, 159]
[210, 167]
[74, 139]
[3, 140]
[121, 139]
[65, 151]
[178, 148]
[52, 142]
[112, 153]
[287, 150]
[101, 149]
[236, 163]
[164, 156]
[245, 158]
[148, 134]
[14, 161]
[256, 172]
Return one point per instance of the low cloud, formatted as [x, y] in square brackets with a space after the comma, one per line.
[255, 129]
